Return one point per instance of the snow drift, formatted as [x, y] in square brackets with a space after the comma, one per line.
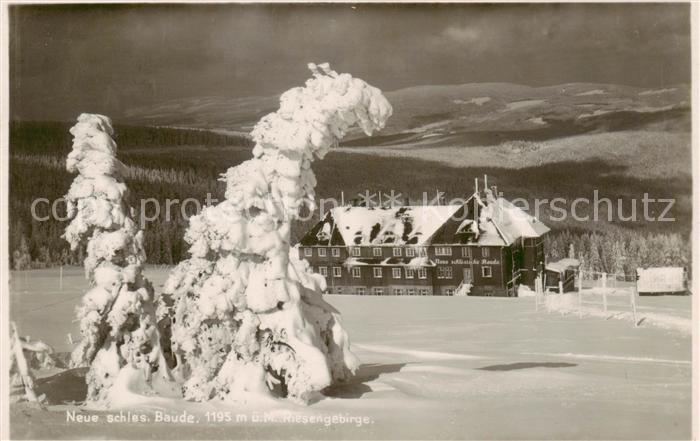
[246, 316]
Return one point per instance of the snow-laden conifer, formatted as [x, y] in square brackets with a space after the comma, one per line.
[247, 315]
[119, 334]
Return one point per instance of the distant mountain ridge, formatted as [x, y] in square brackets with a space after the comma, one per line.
[464, 114]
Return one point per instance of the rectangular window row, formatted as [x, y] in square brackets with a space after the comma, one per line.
[379, 291]
[396, 251]
[443, 251]
[337, 271]
[322, 252]
[443, 272]
[396, 273]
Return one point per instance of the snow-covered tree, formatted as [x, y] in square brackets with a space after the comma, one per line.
[618, 258]
[117, 315]
[247, 315]
[594, 260]
[21, 257]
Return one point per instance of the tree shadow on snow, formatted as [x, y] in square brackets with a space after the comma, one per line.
[355, 387]
[526, 365]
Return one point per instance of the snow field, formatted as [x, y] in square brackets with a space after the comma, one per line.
[445, 367]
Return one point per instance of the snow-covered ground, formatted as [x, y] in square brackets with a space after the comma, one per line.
[432, 367]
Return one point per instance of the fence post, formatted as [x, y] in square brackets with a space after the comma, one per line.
[60, 279]
[561, 287]
[634, 305]
[544, 295]
[605, 280]
[605, 299]
[580, 286]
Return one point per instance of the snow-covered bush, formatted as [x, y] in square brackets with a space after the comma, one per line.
[117, 315]
[247, 315]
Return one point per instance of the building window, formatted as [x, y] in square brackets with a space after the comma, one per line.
[466, 252]
[444, 272]
[449, 292]
[396, 273]
[356, 272]
[360, 291]
[410, 273]
[398, 291]
[443, 251]
[422, 273]
[377, 252]
[308, 252]
[423, 292]
[411, 291]
[323, 270]
[321, 252]
[335, 252]
[422, 252]
[377, 291]
[336, 271]
[377, 272]
[397, 252]
[485, 252]
[485, 271]
[356, 252]
[410, 252]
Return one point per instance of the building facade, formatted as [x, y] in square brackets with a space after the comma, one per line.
[486, 246]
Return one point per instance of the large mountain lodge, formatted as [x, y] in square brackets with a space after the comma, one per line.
[486, 246]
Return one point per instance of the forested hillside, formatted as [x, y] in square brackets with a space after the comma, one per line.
[184, 166]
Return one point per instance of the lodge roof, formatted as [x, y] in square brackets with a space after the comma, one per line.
[409, 224]
[488, 222]
[411, 262]
[562, 265]
[509, 223]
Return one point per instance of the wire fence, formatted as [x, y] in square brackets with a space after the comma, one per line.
[596, 293]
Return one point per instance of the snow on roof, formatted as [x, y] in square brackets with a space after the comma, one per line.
[415, 262]
[500, 223]
[411, 224]
[562, 265]
[323, 233]
[510, 223]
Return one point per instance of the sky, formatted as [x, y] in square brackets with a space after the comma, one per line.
[66, 59]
